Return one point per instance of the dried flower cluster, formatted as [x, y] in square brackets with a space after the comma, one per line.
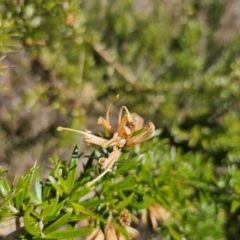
[155, 213]
[129, 132]
[110, 231]
[125, 220]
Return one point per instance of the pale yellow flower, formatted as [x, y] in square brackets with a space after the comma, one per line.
[110, 232]
[108, 162]
[97, 234]
[105, 122]
[125, 220]
[144, 134]
[129, 132]
[115, 141]
[138, 122]
[156, 213]
[130, 128]
[133, 233]
[88, 138]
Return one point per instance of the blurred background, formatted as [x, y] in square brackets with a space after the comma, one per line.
[176, 63]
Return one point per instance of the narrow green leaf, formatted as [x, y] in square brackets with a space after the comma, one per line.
[46, 191]
[10, 197]
[4, 185]
[58, 223]
[80, 209]
[138, 132]
[72, 169]
[62, 183]
[176, 235]
[38, 188]
[78, 217]
[24, 184]
[19, 198]
[97, 201]
[56, 185]
[54, 212]
[78, 192]
[125, 184]
[234, 206]
[30, 223]
[68, 234]
[28, 180]
[125, 202]
[3, 191]
[52, 209]
[70, 226]
[126, 165]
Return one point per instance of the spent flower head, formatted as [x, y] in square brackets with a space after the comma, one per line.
[155, 213]
[129, 132]
[97, 234]
[110, 231]
[125, 220]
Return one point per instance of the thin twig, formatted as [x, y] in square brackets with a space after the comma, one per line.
[129, 76]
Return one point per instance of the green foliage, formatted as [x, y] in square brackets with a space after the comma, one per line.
[167, 64]
[183, 183]
[47, 208]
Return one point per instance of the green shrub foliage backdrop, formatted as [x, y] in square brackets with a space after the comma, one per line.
[176, 63]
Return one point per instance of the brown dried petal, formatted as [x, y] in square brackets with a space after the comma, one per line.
[157, 213]
[122, 130]
[125, 218]
[132, 231]
[162, 213]
[97, 234]
[115, 141]
[121, 237]
[137, 122]
[153, 222]
[127, 118]
[110, 232]
[144, 217]
[103, 122]
[112, 158]
[143, 136]
[92, 139]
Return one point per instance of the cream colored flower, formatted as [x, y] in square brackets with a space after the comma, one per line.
[133, 233]
[129, 132]
[138, 121]
[97, 234]
[129, 128]
[88, 138]
[110, 232]
[156, 213]
[115, 141]
[108, 162]
[125, 220]
[146, 133]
